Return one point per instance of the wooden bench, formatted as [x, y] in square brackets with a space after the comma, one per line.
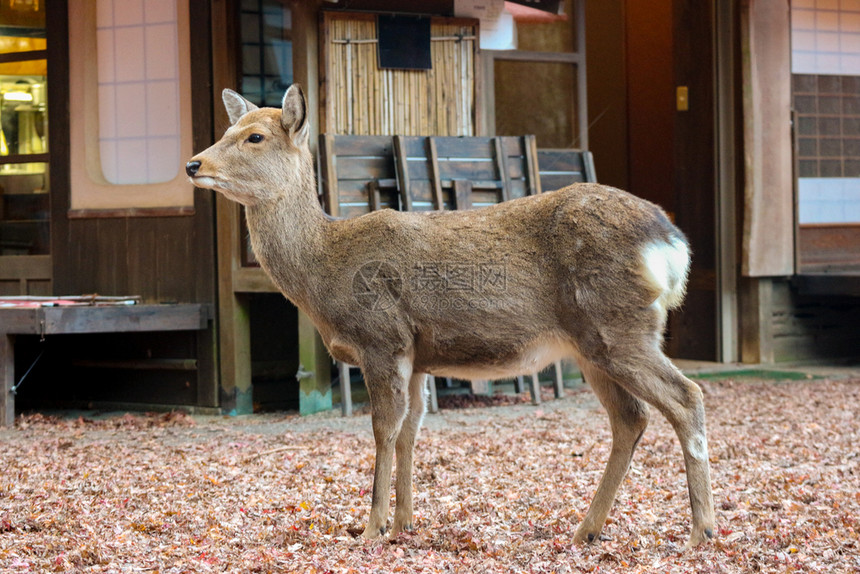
[357, 174]
[65, 320]
[559, 168]
[464, 172]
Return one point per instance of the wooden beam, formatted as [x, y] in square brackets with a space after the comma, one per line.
[123, 319]
[768, 237]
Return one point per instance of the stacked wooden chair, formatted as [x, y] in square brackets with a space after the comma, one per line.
[360, 174]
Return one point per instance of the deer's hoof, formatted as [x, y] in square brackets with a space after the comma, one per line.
[398, 528]
[371, 532]
[586, 535]
[699, 536]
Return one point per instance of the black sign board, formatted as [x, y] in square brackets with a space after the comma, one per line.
[404, 42]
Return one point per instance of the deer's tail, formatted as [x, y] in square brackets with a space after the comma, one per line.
[666, 264]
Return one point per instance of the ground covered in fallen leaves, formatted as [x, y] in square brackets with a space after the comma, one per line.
[499, 488]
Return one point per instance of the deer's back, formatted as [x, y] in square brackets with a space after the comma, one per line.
[488, 281]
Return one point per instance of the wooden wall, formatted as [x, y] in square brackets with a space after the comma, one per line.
[651, 103]
[362, 99]
[695, 327]
[638, 51]
[163, 259]
[606, 70]
[809, 327]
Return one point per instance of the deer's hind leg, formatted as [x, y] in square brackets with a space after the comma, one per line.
[645, 372]
[404, 449]
[387, 385]
[628, 417]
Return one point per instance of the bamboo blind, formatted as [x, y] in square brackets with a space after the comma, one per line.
[364, 100]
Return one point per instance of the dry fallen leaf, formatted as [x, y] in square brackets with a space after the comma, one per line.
[499, 487]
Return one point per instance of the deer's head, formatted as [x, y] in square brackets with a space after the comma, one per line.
[262, 155]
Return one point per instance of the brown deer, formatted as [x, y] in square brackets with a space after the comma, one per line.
[587, 272]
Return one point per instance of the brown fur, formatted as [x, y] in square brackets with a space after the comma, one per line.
[490, 292]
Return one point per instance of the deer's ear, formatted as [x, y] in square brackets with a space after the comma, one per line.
[236, 105]
[294, 114]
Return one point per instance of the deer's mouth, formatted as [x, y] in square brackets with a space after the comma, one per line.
[203, 181]
[209, 182]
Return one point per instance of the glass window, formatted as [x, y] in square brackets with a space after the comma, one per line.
[24, 174]
[267, 51]
[266, 67]
[550, 53]
[138, 89]
[825, 62]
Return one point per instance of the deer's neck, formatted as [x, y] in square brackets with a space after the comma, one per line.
[287, 235]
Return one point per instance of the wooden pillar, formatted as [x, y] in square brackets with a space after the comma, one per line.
[314, 373]
[768, 233]
[757, 320]
[7, 379]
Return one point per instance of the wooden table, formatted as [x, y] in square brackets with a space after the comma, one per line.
[65, 320]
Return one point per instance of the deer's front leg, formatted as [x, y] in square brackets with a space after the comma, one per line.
[404, 449]
[387, 389]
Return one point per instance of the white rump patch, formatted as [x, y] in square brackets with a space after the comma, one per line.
[666, 267]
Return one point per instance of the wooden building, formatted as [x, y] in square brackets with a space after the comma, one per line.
[700, 106]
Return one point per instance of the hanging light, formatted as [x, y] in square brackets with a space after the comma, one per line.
[18, 97]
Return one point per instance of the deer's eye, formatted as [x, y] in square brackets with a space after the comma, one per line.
[255, 138]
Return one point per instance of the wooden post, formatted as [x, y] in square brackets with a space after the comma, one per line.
[314, 372]
[462, 194]
[7, 374]
[559, 380]
[502, 168]
[757, 320]
[345, 390]
[534, 389]
[402, 166]
[438, 202]
[434, 400]
[519, 384]
[768, 218]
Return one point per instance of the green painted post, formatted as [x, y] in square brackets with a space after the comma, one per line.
[314, 372]
[237, 389]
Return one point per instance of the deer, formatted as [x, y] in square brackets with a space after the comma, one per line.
[587, 272]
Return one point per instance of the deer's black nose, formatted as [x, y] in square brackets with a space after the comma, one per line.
[191, 168]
